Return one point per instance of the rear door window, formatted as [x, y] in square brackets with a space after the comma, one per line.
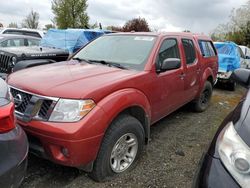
[207, 48]
[189, 50]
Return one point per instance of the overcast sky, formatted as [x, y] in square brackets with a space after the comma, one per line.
[166, 15]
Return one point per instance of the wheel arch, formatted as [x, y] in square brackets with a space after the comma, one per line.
[128, 101]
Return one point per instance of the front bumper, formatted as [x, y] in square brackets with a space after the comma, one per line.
[13, 157]
[211, 173]
[70, 144]
[224, 75]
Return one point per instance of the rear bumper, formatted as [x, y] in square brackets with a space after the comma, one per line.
[211, 173]
[13, 157]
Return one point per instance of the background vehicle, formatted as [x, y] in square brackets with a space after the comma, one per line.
[9, 40]
[95, 112]
[13, 143]
[24, 31]
[231, 57]
[227, 162]
[70, 39]
[246, 52]
[55, 46]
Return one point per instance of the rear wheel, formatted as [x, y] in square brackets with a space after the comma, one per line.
[202, 102]
[120, 149]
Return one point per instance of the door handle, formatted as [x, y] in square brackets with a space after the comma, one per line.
[182, 75]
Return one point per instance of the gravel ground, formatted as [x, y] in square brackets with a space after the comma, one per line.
[183, 132]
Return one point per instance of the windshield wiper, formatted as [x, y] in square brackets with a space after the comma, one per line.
[80, 59]
[111, 64]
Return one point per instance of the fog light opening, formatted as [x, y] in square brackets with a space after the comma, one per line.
[65, 151]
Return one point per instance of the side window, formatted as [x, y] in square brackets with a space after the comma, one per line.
[240, 53]
[33, 42]
[189, 50]
[4, 43]
[169, 49]
[207, 48]
[15, 42]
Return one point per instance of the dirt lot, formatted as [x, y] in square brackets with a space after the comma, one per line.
[160, 166]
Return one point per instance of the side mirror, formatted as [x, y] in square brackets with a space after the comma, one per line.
[170, 64]
[242, 76]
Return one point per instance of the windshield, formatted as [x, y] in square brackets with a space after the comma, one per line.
[129, 51]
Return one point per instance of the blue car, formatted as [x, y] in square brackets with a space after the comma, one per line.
[13, 143]
[230, 58]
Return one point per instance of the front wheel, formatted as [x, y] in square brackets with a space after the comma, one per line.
[120, 149]
[202, 102]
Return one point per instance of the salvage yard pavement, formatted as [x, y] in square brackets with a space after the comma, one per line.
[170, 159]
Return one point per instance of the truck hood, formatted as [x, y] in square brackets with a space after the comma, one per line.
[70, 79]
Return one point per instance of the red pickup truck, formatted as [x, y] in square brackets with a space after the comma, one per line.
[94, 111]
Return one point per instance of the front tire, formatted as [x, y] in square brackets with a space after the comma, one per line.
[120, 149]
[201, 104]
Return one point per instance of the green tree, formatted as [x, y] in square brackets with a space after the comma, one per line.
[238, 27]
[136, 24]
[32, 20]
[49, 26]
[70, 13]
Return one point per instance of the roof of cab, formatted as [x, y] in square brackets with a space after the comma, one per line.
[163, 34]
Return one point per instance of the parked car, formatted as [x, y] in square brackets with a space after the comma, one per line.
[13, 143]
[94, 111]
[246, 52]
[9, 40]
[55, 46]
[227, 161]
[23, 31]
[231, 58]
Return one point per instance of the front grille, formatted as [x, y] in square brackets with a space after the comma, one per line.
[44, 111]
[25, 98]
[29, 104]
[4, 63]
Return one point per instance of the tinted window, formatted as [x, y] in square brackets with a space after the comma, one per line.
[33, 34]
[131, 51]
[207, 48]
[189, 50]
[169, 49]
[17, 32]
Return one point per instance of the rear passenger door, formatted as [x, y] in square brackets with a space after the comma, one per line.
[191, 69]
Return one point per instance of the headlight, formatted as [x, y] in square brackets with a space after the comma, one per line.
[67, 110]
[13, 62]
[235, 155]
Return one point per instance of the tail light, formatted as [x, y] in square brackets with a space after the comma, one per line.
[7, 118]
